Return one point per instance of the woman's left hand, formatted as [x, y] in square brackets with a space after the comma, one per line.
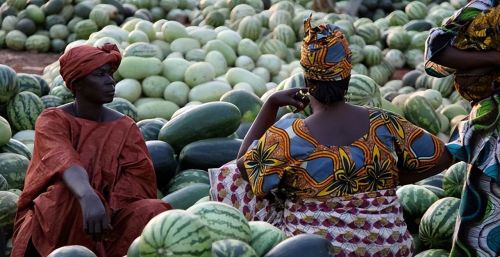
[288, 97]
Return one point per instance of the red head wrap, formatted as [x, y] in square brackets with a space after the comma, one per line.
[80, 61]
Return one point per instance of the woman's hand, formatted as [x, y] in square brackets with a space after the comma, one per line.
[95, 218]
[293, 97]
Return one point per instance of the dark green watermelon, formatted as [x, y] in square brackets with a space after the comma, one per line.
[164, 161]
[13, 168]
[8, 84]
[150, 128]
[304, 245]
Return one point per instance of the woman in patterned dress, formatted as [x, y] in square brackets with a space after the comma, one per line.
[334, 173]
[473, 34]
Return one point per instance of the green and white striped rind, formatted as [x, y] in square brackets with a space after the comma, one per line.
[363, 90]
[369, 32]
[360, 68]
[274, 46]
[125, 107]
[8, 208]
[187, 177]
[416, 10]
[398, 39]
[4, 185]
[17, 147]
[133, 249]
[357, 55]
[28, 82]
[438, 223]
[23, 110]
[285, 34]
[420, 112]
[443, 85]
[380, 73]
[232, 248]
[150, 128]
[175, 233]
[223, 221]
[265, 236]
[415, 200]
[250, 27]
[398, 18]
[13, 168]
[454, 179]
[279, 17]
[433, 253]
[8, 86]
[373, 55]
[439, 192]
[51, 101]
[62, 92]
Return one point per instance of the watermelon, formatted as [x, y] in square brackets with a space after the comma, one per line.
[248, 104]
[164, 161]
[51, 101]
[175, 233]
[416, 10]
[187, 177]
[223, 221]
[123, 106]
[438, 223]
[28, 82]
[397, 18]
[443, 85]
[23, 110]
[4, 185]
[303, 245]
[193, 125]
[439, 192]
[265, 236]
[129, 89]
[420, 112]
[454, 179]
[398, 39]
[62, 92]
[369, 32]
[133, 249]
[209, 153]
[373, 55]
[5, 131]
[73, 251]
[150, 128]
[187, 196]
[433, 253]
[8, 208]
[415, 200]
[13, 168]
[232, 248]
[363, 90]
[8, 85]
[17, 147]
[436, 180]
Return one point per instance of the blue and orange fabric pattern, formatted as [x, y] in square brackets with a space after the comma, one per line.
[325, 53]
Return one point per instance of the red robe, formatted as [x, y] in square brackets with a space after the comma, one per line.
[119, 168]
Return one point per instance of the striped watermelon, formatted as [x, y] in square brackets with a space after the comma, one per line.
[415, 200]
[123, 106]
[13, 168]
[62, 92]
[23, 110]
[223, 221]
[274, 46]
[28, 82]
[284, 6]
[264, 236]
[396, 58]
[8, 85]
[416, 10]
[438, 223]
[72, 250]
[454, 179]
[250, 27]
[150, 128]
[356, 54]
[215, 19]
[363, 90]
[420, 112]
[4, 185]
[51, 101]
[361, 21]
[443, 85]
[187, 196]
[373, 55]
[436, 180]
[433, 253]
[439, 192]
[398, 18]
[232, 248]
[380, 73]
[398, 39]
[187, 177]
[369, 32]
[175, 233]
[8, 208]
[279, 17]
[285, 34]
[133, 249]
[360, 68]
[17, 147]
[346, 27]
[357, 40]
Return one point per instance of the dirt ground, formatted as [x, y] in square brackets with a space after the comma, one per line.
[27, 62]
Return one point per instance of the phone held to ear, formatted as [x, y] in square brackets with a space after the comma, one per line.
[303, 97]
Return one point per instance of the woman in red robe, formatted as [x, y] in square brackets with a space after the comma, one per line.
[91, 181]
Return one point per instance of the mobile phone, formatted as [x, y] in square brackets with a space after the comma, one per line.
[302, 96]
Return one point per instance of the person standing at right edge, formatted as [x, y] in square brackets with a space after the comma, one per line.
[468, 46]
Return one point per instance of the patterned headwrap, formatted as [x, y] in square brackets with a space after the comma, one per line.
[325, 53]
[80, 61]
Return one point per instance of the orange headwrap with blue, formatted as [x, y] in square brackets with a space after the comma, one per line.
[80, 61]
[325, 53]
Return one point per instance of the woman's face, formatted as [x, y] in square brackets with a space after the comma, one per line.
[97, 87]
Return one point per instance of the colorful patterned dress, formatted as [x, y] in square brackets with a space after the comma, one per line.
[345, 193]
[476, 139]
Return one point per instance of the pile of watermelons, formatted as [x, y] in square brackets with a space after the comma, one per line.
[194, 89]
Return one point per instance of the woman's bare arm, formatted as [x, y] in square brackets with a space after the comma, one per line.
[455, 58]
[411, 177]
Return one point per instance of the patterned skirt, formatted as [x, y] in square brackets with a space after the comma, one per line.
[366, 224]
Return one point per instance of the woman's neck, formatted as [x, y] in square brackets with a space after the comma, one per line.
[88, 110]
